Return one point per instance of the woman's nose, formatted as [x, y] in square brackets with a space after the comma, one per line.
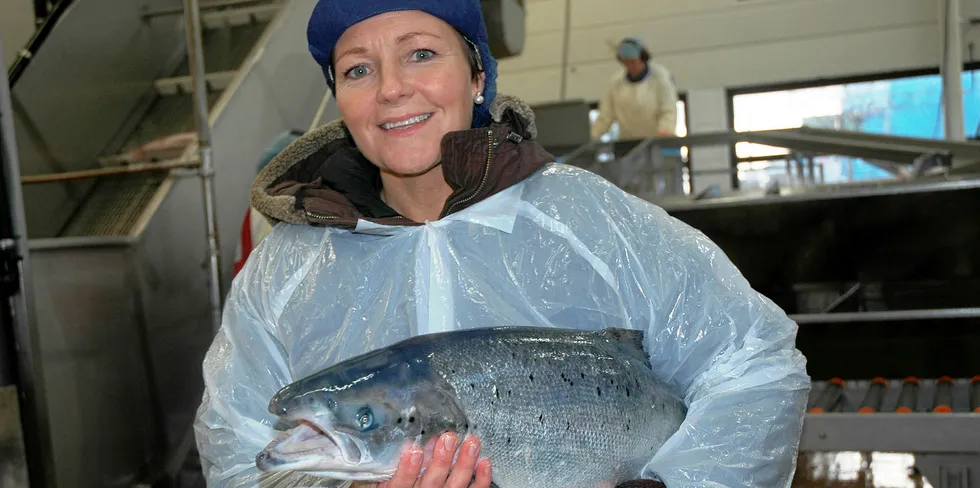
[393, 86]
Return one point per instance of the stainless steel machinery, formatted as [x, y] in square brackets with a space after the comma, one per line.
[883, 278]
[124, 254]
[18, 363]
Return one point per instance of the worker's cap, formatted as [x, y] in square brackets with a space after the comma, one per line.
[630, 48]
[331, 18]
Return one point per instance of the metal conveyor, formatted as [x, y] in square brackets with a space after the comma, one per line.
[937, 420]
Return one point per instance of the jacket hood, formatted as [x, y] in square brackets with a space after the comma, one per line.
[322, 178]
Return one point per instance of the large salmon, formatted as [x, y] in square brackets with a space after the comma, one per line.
[552, 407]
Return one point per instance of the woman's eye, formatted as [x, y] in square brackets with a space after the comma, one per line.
[422, 55]
[357, 72]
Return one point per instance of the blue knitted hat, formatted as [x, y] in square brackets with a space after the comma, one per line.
[331, 18]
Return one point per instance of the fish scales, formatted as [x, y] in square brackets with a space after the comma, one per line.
[568, 411]
[552, 407]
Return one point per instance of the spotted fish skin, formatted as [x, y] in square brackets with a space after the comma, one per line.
[552, 407]
[558, 407]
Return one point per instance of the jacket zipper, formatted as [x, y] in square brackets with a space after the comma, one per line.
[320, 216]
[491, 143]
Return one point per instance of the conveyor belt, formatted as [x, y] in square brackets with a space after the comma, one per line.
[915, 415]
[911, 395]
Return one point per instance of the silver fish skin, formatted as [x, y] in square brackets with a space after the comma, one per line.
[551, 406]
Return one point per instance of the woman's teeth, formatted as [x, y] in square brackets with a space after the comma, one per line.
[406, 122]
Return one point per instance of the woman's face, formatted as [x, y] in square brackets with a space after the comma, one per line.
[403, 82]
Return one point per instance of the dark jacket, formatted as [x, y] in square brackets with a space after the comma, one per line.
[323, 179]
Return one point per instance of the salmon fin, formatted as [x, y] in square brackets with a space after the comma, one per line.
[631, 341]
[641, 484]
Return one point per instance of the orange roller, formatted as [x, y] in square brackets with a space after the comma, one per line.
[907, 398]
[944, 395]
[975, 394]
[830, 396]
[872, 399]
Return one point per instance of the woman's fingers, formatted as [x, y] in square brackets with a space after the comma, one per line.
[465, 463]
[408, 470]
[468, 471]
[438, 467]
[483, 475]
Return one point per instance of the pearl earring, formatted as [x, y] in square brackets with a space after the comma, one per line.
[478, 98]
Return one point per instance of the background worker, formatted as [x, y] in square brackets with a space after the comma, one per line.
[641, 97]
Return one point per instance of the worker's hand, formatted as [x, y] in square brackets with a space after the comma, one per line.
[440, 472]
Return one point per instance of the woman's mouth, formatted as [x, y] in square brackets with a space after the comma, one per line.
[406, 123]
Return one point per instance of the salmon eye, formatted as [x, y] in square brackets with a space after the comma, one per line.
[364, 419]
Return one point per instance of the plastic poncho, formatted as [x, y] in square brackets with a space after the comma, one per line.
[561, 248]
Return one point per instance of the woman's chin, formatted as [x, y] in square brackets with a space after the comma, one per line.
[407, 168]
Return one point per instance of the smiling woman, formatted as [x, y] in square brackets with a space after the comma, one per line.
[404, 80]
[429, 206]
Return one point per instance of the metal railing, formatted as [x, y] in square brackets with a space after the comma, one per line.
[195, 53]
[907, 158]
[201, 162]
[50, 19]
[919, 166]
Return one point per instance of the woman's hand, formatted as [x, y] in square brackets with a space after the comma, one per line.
[440, 472]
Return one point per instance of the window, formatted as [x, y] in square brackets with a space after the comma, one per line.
[906, 106]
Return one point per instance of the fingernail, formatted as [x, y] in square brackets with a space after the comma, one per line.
[473, 448]
[416, 458]
[449, 441]
[487, 469]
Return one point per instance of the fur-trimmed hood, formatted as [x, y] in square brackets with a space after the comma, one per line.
[322, 179]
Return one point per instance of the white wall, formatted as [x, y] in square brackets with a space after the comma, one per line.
[710, 44]
[16, 27]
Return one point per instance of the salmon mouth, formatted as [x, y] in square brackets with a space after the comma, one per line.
[314, 448]
[304, 447]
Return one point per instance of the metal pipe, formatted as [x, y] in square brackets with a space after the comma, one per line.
[952, 70]
[319, 111]
[943, 402]
[940, 313]
[875, 394]
[195, 57]
[842, 298]
[975, 394]
[119, 170]
[907, 398]
[566, 39]
[830, 398]
[30, 369]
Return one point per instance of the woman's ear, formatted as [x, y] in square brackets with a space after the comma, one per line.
[480, 83]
